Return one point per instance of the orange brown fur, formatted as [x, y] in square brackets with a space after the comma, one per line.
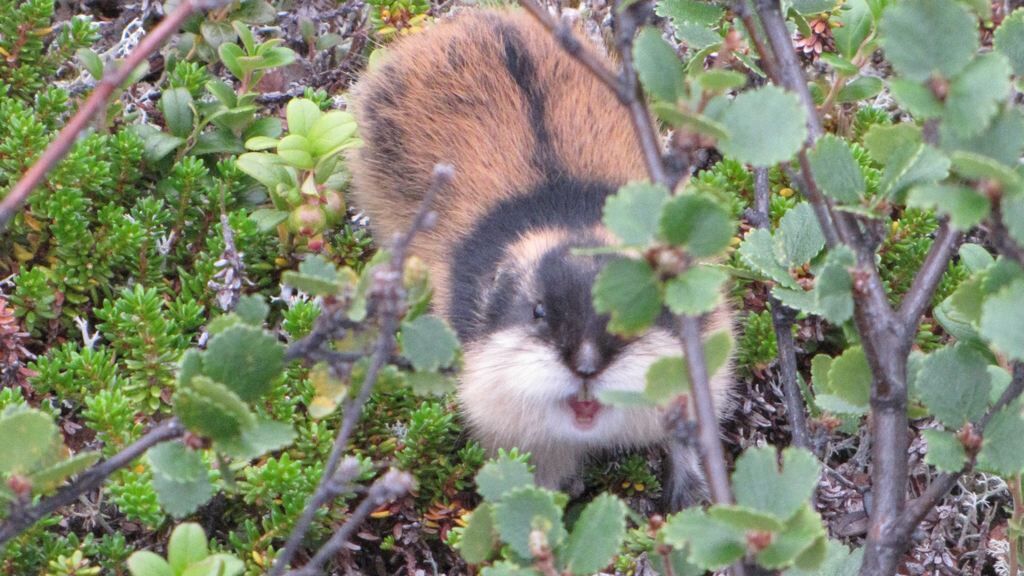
[422, 106]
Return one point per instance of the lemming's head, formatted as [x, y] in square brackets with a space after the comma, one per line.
[538, 353]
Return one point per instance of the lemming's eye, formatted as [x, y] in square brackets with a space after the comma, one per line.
[538, 311]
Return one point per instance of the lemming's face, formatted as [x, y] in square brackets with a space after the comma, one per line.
[533, 379]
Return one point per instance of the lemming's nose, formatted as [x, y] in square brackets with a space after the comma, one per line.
[587, 360]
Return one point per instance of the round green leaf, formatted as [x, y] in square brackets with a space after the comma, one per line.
[954, 384]
[245, 359]
[633, 212]
[524, 510]
[697, 223]
[765, 127]
[479, 537]
[659, 68]
[1002, 320]
[596, 536]
[909, 32]
[836, 171]
[695, 291]
[498, 477]
[628, 291]
[1009, 40]
[186, 546]
[429, 343]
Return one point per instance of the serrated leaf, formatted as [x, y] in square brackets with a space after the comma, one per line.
[694, 11]
[179, 499]
[713, 544]
[860, 88]
[1002, 320]
[628, 291]
[1002, 451]
[765, 126]
[657, 65]
[697, 223]
[429, 343]
[257, 439]
[917, 98]
[838, 561]
[633, 213]
[51, 477]
[954, 384]
[975, 257]
[798, 238]
[146, 563]
[758, 252]
[252, 309]
[802, 532]
[523, 510]
[695, 291]
[596, 537]
[28, 439]
[885, 143]
[964, 206]
[945, 451]
[974, 95]
[430, 383]
[697, 36]
[479, 538]
[1002, 140]
[857, 22]
[811, 7]
[849, 377]
[836, 171]
[497, 477]
[1009, 40]
[833, 288]
[176, 104]
[912, 165]
[745, 518]
[666, 379]
[176, 462]
[211, 409]
[245, 359]
[760, 485]
[718, 80]
[908, 31]
[797, 299]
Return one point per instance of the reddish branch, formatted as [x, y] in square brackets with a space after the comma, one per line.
[95, 104]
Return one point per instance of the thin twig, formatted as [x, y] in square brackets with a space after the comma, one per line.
[389, 487]
[1001, 238]
[388, 303]
[927, 280]
[20, 519]
[95, 104]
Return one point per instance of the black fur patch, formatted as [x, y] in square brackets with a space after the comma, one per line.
[560, 203]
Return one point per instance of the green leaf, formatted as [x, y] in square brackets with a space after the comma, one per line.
[318, 276]
[176, 104]
[839, 64]
[850, 377]
[211, 409]
[176, 462]
[974, 95]
[765, 126]
[698, 223]
[696, 36]
[695, 291]
[524, 510]
[885, 143]
[634, 211]
[693, 11]
[296, 151]
[719, 80]
[811, 7]
[506, 568]
[429, 343]
[745, 518]
[803, 532]
[1013, 215]
[758, 252]
[596, 537]
[797, 299]
[760, 485]
[91, 62]
[945, 451]
[332, 130]
[666, 379]
[964, 206]
[156, 144]
[836, 171]
[252, 309]
[1002, 451]
[479, 538]
[257, 439]
[51, 477]
[29, 438]
[179, 499]
[497, 477]
[954, 384]
[916, 97]
[833, 288]
[857, 21]
[860, 88]
[838, 561]
[798, 238]
[146, 563]
[265, 168]
[912, 165]
[657, 65]
[217, 33]
[713, 544]
[908, 33]
[975, 257]
[1009, 40]
[245, 359]
[628, 291]
[186, 546]
[430, 383]
[277, 57]
[302, 115]
[1003, 140]
[1002, 320]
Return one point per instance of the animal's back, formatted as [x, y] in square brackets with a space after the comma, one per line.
[493, 94]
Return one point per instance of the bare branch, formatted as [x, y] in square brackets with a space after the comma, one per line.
[927, 280]
[93, 105]
[388, 302]
[1004, 243]
[21, 518]
[389, 487]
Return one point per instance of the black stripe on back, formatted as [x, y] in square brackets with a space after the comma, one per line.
[561, 203]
